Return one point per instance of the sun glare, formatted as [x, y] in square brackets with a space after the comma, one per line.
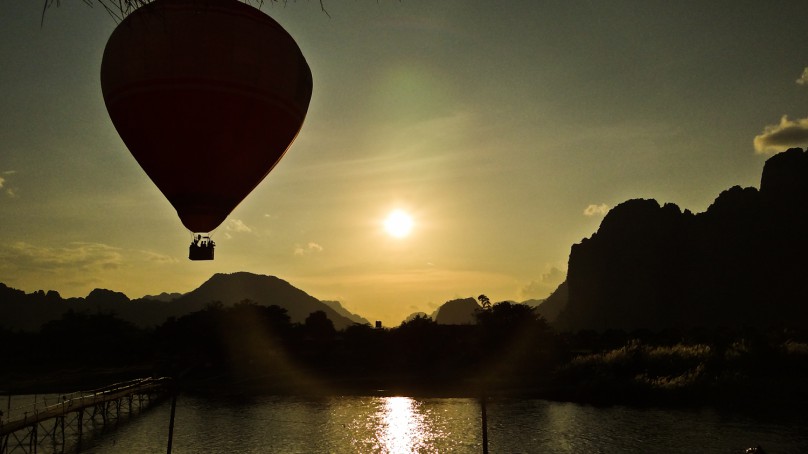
[398, 224]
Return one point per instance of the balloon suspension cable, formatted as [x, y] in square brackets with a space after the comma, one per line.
[202, 234]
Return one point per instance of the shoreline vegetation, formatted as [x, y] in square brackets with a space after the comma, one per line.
[509, 352]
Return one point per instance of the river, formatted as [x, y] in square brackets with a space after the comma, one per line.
[438, 425]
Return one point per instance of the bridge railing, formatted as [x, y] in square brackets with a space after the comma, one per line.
[66, 401]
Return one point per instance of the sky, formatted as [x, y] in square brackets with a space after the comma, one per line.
[504, 130]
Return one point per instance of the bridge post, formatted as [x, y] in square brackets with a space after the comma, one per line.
[33, 438]
[174, 392]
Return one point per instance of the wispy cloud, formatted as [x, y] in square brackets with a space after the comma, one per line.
[154, 257]
[308, 249]
[78, 267]
[11, 192]
[803, 79]
[596, 210]
[73, 257]
[546, 284]
[237, 225]
[779, 137]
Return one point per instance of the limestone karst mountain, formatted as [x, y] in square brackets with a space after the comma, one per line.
[740, 263]
[457, 312]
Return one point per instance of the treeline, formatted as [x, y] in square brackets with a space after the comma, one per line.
[510, 350]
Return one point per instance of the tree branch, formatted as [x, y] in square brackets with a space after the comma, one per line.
[119, 9]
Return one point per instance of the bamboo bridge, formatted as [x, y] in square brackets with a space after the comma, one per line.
[74, 410]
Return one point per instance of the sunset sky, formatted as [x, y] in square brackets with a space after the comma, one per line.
[504, 129]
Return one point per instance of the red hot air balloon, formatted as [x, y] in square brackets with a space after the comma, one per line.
[207, 95]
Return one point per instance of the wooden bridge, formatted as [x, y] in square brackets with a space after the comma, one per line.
[73, 410]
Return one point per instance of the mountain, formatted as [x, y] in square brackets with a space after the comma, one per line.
[463, 311]
[345, 312]
[415, 315]
[740, 263]
[27, 312]
[264, 290]
[551, 307]
[101, 296]
[164, 297]
[457, 312]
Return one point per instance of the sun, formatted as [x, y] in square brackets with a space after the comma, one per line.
[398, 224]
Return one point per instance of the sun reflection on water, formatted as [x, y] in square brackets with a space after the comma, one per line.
[404, 425]
[402, 428]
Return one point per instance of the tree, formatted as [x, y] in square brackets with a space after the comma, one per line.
[319, 327]
[484, 302]
[419, 322]
[505, 323]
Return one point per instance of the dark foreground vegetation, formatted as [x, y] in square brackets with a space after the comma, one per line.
[510, 350]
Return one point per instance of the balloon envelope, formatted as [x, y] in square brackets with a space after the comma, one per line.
[207, 95]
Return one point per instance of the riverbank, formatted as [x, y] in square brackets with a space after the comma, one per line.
[750, 395]
[41, 380]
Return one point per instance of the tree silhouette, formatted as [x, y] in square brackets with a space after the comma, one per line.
[484, 302]
[319, 327]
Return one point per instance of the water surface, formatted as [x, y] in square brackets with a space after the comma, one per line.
[437, 425]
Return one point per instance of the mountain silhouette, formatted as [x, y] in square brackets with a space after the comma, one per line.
[464, 311]
[415, 315]
[27, 312]
[165, 297]
[740, 263]
[551, 307]
[263, 290]
[101, 296]
[337, 306]
[457, 312]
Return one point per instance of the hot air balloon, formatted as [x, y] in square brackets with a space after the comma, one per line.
[207, 95]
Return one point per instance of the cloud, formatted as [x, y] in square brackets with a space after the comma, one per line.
[803, 80]
[787, 134]
[71, 258]
[308, 249]
[154, 257]
[546, 284]
[596, 210]
[3, 184]
[236, 225]
[11, 192]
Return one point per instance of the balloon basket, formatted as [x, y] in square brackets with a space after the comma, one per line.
[201, 248]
